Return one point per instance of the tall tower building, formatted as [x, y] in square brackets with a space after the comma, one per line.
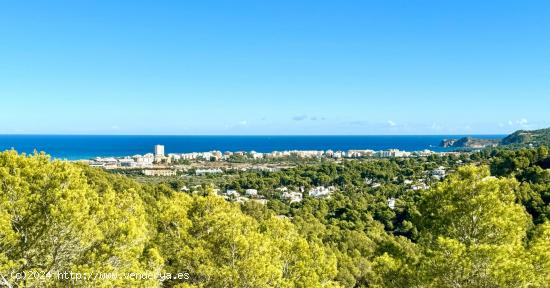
[159, 150]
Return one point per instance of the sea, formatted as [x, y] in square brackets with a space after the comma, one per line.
[75, 147]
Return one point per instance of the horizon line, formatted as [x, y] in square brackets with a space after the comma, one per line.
[249, 135]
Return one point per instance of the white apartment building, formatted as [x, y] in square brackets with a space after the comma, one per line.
[159, 150]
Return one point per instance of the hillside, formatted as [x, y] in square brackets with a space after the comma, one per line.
[60, 218]
[535, 137]
[469, 142]
[519, 138]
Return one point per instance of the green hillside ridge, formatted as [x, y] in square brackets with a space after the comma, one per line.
[535, 137]
[519, 138]
[470, 142]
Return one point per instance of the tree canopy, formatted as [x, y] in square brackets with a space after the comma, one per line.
[484, 225]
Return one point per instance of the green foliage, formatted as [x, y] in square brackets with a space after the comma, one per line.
[536, 137]
[60, 217]
[473, 208]
[485, 225]
[473, 233]
[54, 220]
[540, 254]
[221, 247]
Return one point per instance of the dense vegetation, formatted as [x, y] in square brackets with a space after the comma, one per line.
[535, 137]
[487, 224]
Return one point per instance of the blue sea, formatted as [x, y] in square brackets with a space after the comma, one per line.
[74, 147]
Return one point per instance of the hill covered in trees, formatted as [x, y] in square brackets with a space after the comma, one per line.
[484, 225]
[520, 138]
[535, 137]
[469, 142]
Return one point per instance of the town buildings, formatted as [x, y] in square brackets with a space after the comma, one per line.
[321, 191]
[292, 197]
[160, 159]
[159, 172]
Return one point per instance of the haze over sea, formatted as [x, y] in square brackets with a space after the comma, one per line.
[74, 147]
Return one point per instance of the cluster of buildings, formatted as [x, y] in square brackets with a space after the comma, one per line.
[160, 164]
[290, 196]
[284, 192]
[200, 172]
[210, 156]
[249, 195]
[150, 159]
[321, 191]
[159, 172]
[439, 173]
[418, 184]
[137, 161]
[327, 154]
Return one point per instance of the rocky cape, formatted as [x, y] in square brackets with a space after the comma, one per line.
[469, 142]
[519, 138]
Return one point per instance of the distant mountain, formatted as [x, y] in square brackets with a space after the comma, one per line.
[535, 137]
[518, 138]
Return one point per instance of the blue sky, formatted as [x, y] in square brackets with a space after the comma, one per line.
[274, 67]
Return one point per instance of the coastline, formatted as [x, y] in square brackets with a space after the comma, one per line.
[79, 147]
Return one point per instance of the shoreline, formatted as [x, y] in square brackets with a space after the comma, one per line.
[88, 147]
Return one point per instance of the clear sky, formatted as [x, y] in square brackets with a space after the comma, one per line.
[274, 67]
